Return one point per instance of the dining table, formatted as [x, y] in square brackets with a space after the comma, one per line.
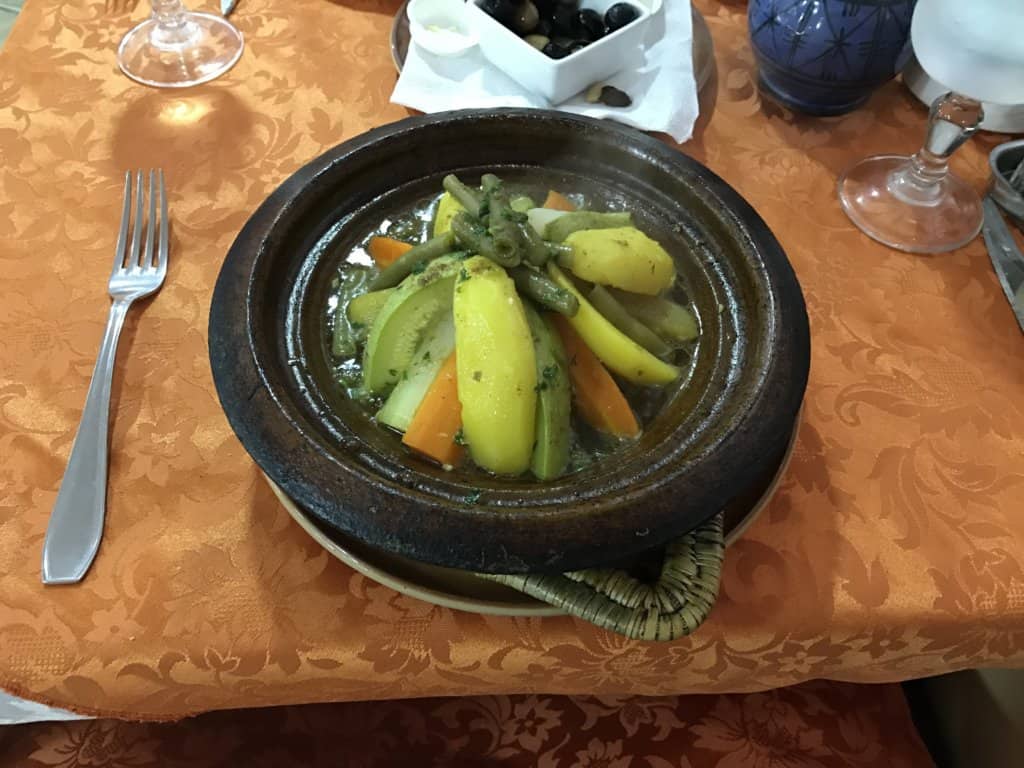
[892, 549]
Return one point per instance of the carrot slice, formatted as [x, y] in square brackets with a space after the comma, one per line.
[438, 419]
[598, 397]
[386, 250]
[558, 202]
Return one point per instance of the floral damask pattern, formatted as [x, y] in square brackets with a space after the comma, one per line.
[894, 548]
[816, 725]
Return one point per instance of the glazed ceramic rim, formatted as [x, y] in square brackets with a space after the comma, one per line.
[567, 524]
[523, 604]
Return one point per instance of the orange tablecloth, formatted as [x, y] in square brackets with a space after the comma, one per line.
[894, 549]
[819, 724]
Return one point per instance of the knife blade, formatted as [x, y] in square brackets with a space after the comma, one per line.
[1007, 259]
[227, 6]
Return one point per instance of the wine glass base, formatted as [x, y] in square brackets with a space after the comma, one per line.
[875, 200]
[202, 47]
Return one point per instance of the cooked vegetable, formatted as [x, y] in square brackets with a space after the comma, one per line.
[365, 307]
[598, 397]
[554, 403]
[386, 250]
[537, 251]
[503, 227]
[623, 257]
[559, 229]
[411, 260]
[437, 422]
[489, 183]
[447, 207]
[612, 346]
[666, 318]
[472, 236]
[346, 335]
[412, 309]
[437, 345]
[522, 203]
[466, 197]
[540, 218]
[496, 368]
[558, 201]
[617, 315]
[541, 289]
[458, 349]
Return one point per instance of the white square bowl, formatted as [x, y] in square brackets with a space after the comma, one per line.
[558, 79]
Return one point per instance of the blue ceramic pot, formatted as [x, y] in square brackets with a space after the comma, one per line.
[825, 57]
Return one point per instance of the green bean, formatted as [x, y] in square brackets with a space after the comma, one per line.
[489, 182]
[544, 291]
[669, 320]
[522, 203]
[473, 237]
[617, 315]
[503, 226]
[537, 251]
[347, 335]
[468, 198]
[400, 269]
[563, 226]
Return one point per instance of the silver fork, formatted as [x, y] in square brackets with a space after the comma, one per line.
[76, 523]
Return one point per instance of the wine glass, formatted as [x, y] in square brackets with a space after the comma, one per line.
[914, 203]
[176, 48]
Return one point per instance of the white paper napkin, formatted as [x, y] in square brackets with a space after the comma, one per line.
[663, 88]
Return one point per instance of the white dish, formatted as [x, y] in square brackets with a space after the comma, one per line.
[559, 79]
[440, 27]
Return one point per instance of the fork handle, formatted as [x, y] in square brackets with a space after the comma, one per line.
[76, 522]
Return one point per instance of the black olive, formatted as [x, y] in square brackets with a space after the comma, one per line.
[619, 15]
[555, 51]
[543, 27]
[613, 97]
[545, 8]
[587, 25]
[504, 11]
[563, 20]
[526, 18]
[564, 42]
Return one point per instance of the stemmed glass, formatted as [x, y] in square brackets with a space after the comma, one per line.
[914, 203]
[176, 48]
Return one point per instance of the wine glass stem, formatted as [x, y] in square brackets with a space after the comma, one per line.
[172, 27]
[951, 121]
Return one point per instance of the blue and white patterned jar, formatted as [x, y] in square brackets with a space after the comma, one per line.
[825, 57]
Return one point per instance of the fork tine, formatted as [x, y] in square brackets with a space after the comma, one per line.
[147, 256]
[122, 235]
[164, 225]
[133, 255]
